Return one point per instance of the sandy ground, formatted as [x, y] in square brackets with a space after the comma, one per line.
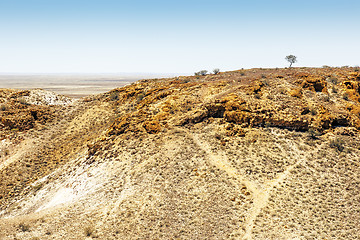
[98, 172]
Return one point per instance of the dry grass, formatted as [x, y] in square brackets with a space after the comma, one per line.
[190, 158]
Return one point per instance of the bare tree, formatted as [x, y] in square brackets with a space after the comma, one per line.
[291, 59]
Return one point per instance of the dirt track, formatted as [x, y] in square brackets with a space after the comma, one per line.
[191, 158]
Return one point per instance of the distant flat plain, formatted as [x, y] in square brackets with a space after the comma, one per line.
[72, 85]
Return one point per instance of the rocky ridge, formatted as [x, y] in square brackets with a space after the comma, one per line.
[247, 154]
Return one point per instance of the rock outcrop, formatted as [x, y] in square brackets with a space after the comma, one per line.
[248, 154]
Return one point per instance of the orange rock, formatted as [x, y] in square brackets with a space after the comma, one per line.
[352, 89]
[315, 84]
[152, 126]
[239, 117]
[233, 103]
[296, 92]
[354, 76]
[256, 87]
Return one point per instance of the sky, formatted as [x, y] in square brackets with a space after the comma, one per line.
[116, 36]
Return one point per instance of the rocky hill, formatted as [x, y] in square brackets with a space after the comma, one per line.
[247, 154]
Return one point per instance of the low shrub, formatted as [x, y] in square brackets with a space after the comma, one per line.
[201, 73]
[24, 227]
[333, 80]
[334, 89]
[140, 97]
[89, 230]
[114, 96]
[23, 101]
[338, 144]
[313, 133]
[325, 98]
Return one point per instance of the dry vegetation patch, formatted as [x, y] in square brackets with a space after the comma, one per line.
[248, 154]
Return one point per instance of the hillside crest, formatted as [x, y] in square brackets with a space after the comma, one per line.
[246, 154]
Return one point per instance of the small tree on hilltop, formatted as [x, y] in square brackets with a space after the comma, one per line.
[201, 73]
[291, 59]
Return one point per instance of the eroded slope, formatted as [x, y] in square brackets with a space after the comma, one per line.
[249, 154]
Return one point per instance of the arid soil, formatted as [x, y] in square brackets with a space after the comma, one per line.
[247, 154]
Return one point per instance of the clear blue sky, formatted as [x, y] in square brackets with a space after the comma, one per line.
[182, 36]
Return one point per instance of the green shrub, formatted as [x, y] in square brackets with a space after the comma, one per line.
[267, 124]
[89, 230]
[23, 101]
[24, 227]
[140, 97]
[338, 144]
[37, 187]
[334, 89]
[266, 82]
[313, 133]
[201, 73]
[333, 80]
[326, 98]
[282, 91]
[114, 96]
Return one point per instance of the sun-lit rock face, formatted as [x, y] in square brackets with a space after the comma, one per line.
[42, 97]
[296, 99]
[248, 154]
[22, 110]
